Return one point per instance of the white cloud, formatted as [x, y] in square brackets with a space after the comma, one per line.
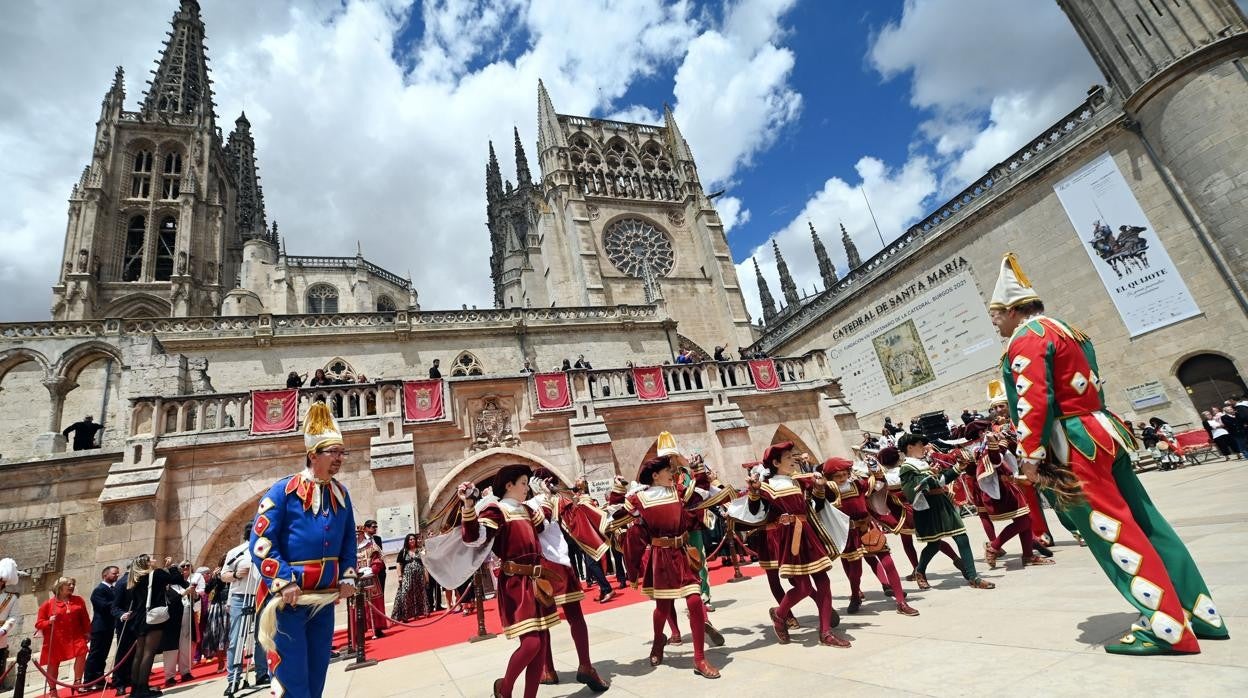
[896, 195]
[731, 212]
[355, 143]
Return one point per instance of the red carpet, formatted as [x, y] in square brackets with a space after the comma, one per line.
[441, 630]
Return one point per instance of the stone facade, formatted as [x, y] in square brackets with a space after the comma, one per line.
[1172, 124]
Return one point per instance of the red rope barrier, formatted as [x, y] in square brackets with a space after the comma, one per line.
[88, 684]
[446, 614]
[6, 673]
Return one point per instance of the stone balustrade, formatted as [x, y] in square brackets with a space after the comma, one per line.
[615, 385]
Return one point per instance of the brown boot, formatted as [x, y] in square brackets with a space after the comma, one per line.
[589, 676]
[906, 609]
[656, 650]
[981, 583]
[1036, 560]
[921, 580]
[830, 640]
[778, 625]
[990, 555]
[549, 677]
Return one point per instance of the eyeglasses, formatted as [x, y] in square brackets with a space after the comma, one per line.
[335, 452]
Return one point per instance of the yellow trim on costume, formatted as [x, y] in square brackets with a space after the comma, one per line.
[678, 593]
[531, 625]
[938, 536]
[646, 503]
[570, 597]
[769, 565]
[777, 492]
[856, 555]
[1025, 511]
[820, 565]
[470, 515]
[489, 523]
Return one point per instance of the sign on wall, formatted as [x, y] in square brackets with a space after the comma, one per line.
[1145, 395]
[393, 525]
[599, 489]
[1133, 265]
[931, 333]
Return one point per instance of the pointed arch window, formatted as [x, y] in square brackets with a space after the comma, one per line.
[141, 175]
[171, 176]
[385, 304]
[166, 244]
[466, 364]
[322, 299]
[132, 259]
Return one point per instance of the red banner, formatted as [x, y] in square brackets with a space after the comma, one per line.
[764, 373]
[422, 400]
[648, 382]
[274, 411]
[552, 391]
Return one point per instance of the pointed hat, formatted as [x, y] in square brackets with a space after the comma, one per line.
[996, 392]
[319, 428]
[1013, 287]
[666, 446]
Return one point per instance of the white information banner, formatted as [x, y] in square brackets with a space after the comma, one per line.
[1131, 261]
[393, 525]
[927, 335]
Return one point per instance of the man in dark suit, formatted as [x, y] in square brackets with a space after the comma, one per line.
[125, 636]
[102, 624]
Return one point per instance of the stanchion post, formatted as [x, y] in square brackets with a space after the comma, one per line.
[735, 547]
[478, 595]
[361, 632]
[23, 660]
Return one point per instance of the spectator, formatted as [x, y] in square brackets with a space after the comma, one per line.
[123, 655]
[294, 379]
[411, 600]
[1148, 436]
[1240, 413]
[719, 354]
[237, 573]
[915, 427]
[146, 588]
[1213, 422]
[318, 379]
[103, 625]
[567, 365]
[526, 369]
[433, 370]
[8, 606]
[891, 429]
[64, 622]
[362, 379]
[178, 633]
[84, 433]
[215, 638]
[582, 363]
[967, 417]
[370, 528]
[683, 357]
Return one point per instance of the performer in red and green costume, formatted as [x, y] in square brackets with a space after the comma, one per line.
[1070, 444]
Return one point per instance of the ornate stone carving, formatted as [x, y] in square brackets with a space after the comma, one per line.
[676, 217]
[34, 544]
[593, 212]
[83, 260]
[492, 428]
[639, 249]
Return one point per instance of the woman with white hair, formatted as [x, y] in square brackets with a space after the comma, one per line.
[65, 624]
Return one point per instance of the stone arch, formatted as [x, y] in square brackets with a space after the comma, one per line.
[211, 536]
[467, 364]
[481, 465]
[12, 358]
[79, 357]
[139, 305]
[784, 433]
[690, 345]
[1210, 378]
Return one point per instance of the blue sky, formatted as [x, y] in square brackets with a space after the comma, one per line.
[371, 117]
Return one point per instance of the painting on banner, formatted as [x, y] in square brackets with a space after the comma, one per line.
[422, 400]
[648, 382]
[274, 411]
[1124, 248]
[930, 332]
[764, 373]
[552, 391]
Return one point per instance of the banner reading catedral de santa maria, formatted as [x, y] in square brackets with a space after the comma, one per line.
[1124, 247]
[924, 335]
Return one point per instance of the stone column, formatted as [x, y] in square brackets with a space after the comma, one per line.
[52, 441]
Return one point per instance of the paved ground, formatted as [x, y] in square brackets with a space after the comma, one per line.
[1039, 631]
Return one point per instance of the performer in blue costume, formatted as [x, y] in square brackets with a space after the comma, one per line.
[303, 544]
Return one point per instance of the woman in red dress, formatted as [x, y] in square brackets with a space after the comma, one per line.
[663, 562]
[525, 601]
[792, 540]
[64, 622]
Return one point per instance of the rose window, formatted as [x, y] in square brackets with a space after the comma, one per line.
[639, 249]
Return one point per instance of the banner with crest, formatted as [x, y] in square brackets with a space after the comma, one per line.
[422, 400]
[648, 381]
[274, 411]
[764, 373]
[552, 391]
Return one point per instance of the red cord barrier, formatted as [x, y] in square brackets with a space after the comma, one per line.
[446, 614]
[88, 684]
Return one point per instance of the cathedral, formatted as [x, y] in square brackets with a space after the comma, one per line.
[179, 318]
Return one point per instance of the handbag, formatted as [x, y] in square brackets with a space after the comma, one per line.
[159, 614]
[873, 540]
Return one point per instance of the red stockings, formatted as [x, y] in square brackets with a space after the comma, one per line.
[527, 658]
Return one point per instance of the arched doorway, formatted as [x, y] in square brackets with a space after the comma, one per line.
[480, 469]
[1210, 379]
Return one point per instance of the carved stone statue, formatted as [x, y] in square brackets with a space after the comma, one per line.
[493, 428]
[181, 264]
[83, 260]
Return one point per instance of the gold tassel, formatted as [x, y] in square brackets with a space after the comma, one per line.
[319, 420]
[1018, 269]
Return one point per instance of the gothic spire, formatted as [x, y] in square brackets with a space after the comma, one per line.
[787, 287]
[764, 294]
[493, 178]
[851, 250]
[249, 221]
[181, 84]
[523, 178]
[676, 141]
[549, 135]
[826, 270]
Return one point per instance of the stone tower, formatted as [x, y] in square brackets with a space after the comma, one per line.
[617, 216]
[852, 259]
[153, 229]
[764, 294]
[787, 286]
[1178, 68]
[827, 271]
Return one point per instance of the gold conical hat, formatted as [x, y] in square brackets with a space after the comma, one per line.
[1013, 287]
[319, 428]
[996, 392]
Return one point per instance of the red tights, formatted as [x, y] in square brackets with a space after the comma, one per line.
[884, 569]
[665, 609]
[580, 636]
[527, 658]
[989, 529]
[1021, 527]
[821, 591]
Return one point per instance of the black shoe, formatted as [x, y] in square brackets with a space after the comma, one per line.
[263, 680]
[230, 689]
[186, 677]
[1042, 550]
[121, 691]
[378, 635]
